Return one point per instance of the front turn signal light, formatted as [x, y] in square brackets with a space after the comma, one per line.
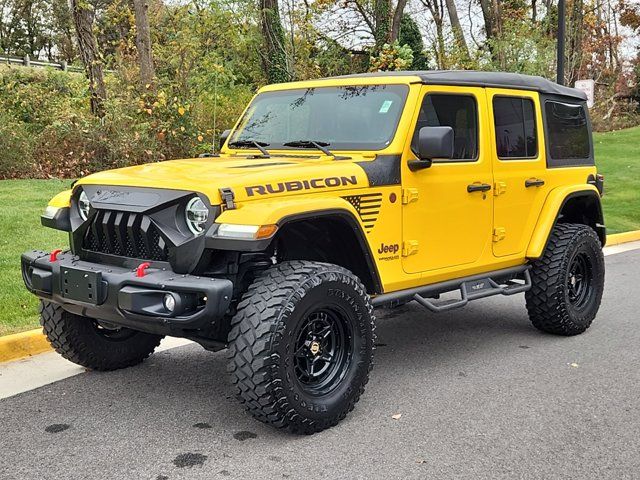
[266, 231]
[246, 232]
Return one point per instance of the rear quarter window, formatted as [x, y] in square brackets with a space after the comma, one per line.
[568, 134]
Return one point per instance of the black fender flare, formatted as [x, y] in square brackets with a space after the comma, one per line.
[264, 244]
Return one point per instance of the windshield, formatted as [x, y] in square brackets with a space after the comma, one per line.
[346, 118]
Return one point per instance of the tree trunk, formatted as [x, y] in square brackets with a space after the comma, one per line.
[83, 17]
[442, 54]
[397, 18]
[487, 15]
[274, 57]
[574, 44]
[491, 12]
[382, 18]
[534, 11]
[458, 34]
[436, 8]
[143, 42]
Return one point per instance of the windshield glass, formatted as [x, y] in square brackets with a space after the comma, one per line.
[346, 118]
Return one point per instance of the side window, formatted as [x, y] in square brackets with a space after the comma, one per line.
[459, 112]
[568, 131]
[515, 124]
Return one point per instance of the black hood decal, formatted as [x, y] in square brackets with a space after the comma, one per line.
[384, 170]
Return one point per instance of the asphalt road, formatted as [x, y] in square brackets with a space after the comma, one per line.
[482, 395]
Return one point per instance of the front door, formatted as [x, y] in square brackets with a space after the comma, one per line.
[447, 212]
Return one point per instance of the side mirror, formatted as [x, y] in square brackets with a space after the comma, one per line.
[223, 137]
[433, 142]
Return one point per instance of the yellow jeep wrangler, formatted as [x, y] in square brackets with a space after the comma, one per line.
[330, 198]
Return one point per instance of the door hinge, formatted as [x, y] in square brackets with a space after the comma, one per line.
[409, 195]
[499, 188]
[499, 233]
[228, 198]
[409, 247]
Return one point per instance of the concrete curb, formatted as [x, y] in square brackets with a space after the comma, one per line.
[24, 344]
[626, 237]
[32, 342]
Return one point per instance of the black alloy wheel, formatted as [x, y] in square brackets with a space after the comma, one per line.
[322, 350]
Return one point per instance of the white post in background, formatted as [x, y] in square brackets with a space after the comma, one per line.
[588, 87]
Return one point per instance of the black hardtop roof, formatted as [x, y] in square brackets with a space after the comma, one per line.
[483, 79]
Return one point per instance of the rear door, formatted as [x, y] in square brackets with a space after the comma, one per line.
[444, 224]
[519, 167]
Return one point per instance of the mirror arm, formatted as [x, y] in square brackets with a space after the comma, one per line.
[415, 165]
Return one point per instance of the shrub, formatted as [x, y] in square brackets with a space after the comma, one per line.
[46, 128]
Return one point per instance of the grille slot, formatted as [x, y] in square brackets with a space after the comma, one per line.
[125, 234]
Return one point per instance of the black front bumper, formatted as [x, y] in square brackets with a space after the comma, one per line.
[117, 295]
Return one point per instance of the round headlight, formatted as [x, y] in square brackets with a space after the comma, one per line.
[196, 215]
[83, 205]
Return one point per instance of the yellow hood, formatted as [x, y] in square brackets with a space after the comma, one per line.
[250, 178]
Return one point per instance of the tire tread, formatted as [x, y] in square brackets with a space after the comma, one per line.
[254, 333]
[69, 338]
[545, 300]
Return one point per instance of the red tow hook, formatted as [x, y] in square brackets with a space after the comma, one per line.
[54, 255]
[140, 271]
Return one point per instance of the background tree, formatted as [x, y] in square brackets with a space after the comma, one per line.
[436, 9]
[143, 42]
[218, 52]
[493, 20]
[410, 35]
[83, 16]
[456, 27]
[274, 59]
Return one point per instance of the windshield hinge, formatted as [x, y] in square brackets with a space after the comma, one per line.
[228, 198]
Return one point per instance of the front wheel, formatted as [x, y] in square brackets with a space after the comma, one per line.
[567, 282]
[301, 345]
[94, 344]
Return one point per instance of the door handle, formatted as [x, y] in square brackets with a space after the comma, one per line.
[533, 182]
[478, 187]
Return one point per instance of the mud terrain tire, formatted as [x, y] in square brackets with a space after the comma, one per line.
[567, 281]
[301, 345]
[84, 341]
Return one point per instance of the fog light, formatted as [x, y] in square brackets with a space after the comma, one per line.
[169, 302]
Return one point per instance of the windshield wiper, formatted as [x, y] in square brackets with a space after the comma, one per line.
[311, 144]
[252, 143]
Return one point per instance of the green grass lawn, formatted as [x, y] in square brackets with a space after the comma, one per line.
[22, 202]
[618, 159]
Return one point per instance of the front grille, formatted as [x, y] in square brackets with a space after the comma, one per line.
[125, 234]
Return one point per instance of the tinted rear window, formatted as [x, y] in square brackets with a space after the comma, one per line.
[567, 131]
[515, 125]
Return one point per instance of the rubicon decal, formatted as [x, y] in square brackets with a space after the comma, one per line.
[295, 185]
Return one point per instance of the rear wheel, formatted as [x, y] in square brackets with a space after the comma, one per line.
[567, 282]
[94, 344]
[301, 345]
